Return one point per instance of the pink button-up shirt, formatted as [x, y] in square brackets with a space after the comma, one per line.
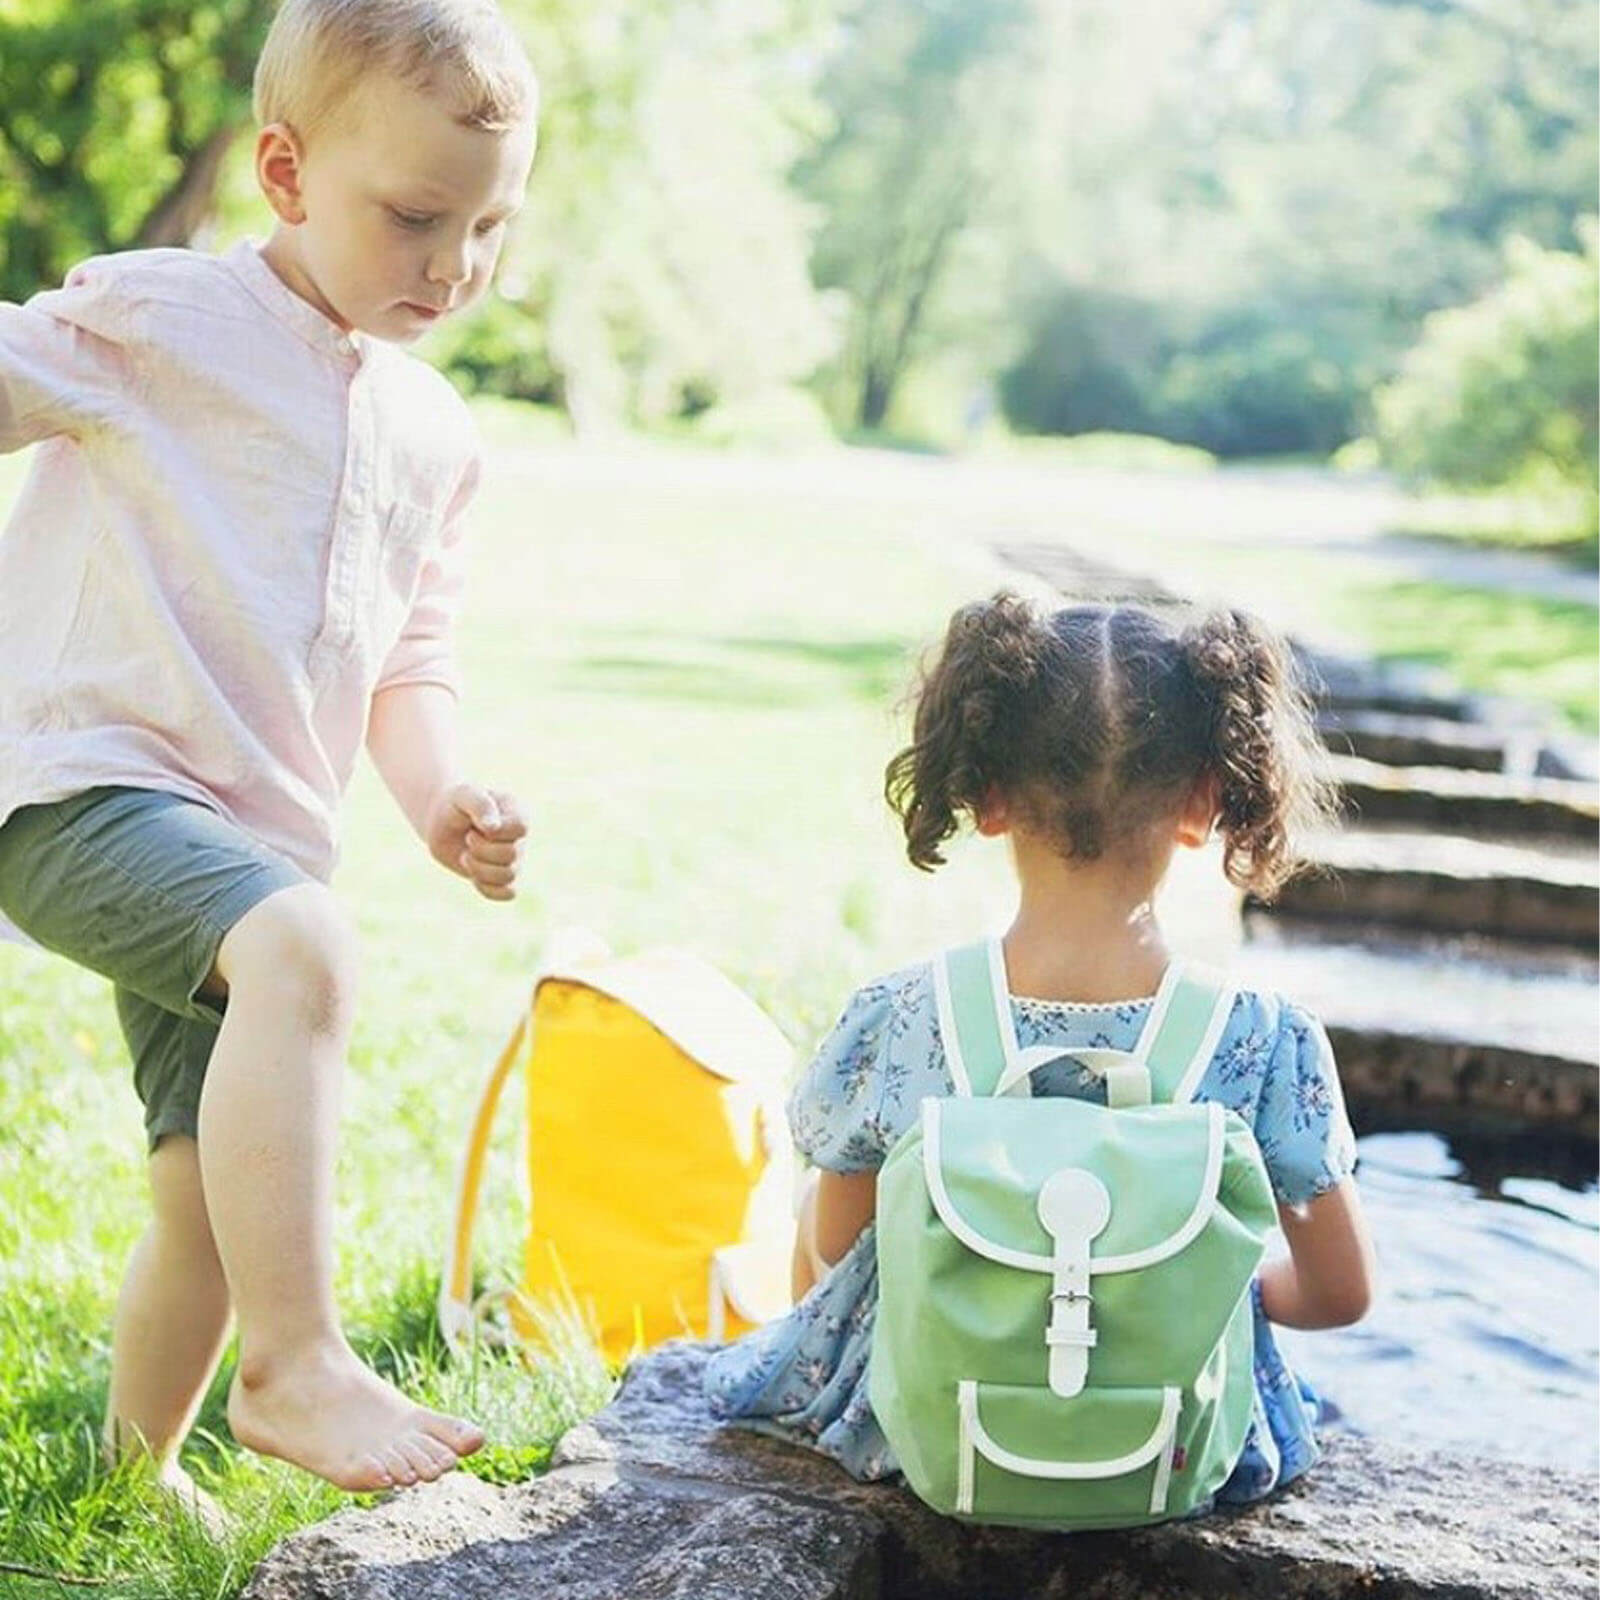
[240, 524]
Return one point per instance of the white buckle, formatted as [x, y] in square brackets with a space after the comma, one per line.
[1074, 1207]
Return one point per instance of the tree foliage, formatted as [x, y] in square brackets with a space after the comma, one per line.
[114, 119]
[1272, 199]
[927, 100]
[1503, 391]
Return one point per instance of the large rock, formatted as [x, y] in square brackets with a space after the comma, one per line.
[650, 1501]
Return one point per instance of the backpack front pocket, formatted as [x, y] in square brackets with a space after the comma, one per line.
[1017, 1447]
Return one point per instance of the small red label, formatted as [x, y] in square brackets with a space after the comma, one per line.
[1180, 1459]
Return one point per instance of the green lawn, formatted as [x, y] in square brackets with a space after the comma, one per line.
[692, 693]
[692, 682]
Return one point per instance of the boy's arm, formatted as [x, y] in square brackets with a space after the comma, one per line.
[474, 832]
[412, 730]
[64, 359]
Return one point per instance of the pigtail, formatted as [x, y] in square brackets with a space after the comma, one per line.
[970, 716]
[1263, 749]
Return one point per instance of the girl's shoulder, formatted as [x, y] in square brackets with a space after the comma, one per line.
[869, 1073]
[1275, 1066]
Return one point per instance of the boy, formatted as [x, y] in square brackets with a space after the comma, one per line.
[234, 559]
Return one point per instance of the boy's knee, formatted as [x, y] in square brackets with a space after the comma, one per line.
[298, 946]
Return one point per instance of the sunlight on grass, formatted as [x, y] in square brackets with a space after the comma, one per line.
[1516, 645]
[692, 683]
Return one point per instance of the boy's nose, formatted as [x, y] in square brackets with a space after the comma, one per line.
[451, 266]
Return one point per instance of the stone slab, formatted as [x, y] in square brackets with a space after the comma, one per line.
[651, 1501]
[1465, 801]
[1410, 879]
[1412, 741]
[1472, 990]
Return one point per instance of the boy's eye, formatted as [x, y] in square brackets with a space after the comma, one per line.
[411, 219]
[491, 227]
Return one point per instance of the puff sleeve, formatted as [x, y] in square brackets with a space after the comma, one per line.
[836, 1112]
[1305, 1136]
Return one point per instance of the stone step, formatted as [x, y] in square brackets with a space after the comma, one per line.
[1450, 1036]
[1353, 686]
[1397, 877]
[1411, 741]
[1461, 800]
[652, 1501]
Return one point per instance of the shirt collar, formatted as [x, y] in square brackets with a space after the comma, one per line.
[318, 330]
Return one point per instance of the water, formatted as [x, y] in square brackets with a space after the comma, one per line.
[1485, 1338]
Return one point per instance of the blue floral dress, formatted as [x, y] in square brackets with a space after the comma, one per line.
[803, 1376]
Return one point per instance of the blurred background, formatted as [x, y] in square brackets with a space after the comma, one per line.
[1356, 233]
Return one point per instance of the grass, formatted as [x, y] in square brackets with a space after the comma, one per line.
[1521, 646]
[689, 675]
[691, 692]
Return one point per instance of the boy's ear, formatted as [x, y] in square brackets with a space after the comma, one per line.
[992, 816]
[1199, 813]
[278, 163]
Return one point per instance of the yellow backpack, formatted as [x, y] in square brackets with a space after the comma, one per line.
[659, 1167]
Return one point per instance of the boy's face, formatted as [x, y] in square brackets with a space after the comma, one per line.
[395, 212]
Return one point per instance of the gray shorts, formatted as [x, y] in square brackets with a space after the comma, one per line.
[141, 887]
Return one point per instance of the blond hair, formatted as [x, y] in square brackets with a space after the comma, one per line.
[318, 51]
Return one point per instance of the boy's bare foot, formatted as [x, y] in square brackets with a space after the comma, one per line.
[178, 1489]
[321, 1409]
[171, 1486]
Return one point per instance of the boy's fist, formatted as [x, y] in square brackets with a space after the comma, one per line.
[478, 833]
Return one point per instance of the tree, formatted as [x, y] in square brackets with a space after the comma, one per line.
[1504, 390]
[928, 99]
[115, 116]
[1278, 196]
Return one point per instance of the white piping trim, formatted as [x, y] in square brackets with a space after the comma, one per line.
[717, 1304]
[974, 1436]
[966, 1406]
[1205, 1204]
[947, 1027]
[1165, 991]
[1000, 987]
[1220, 1013]
[1163, 1477]
[933, 1174]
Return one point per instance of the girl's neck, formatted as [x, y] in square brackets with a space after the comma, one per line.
[1085, 930]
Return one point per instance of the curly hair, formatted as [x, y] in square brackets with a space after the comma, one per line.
[1095, 722]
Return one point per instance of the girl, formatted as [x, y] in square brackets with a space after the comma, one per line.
[1096, 740]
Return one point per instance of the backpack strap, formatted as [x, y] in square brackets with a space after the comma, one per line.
[457, 1316]
[974, 1009]
[1179, 1037]
[1181, 1033]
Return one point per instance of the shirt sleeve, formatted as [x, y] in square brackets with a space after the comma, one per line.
[65, 358]
[1305, 1136]
[836, 1112]
[425, 650]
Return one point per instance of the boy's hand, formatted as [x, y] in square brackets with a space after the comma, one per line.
[478, 833]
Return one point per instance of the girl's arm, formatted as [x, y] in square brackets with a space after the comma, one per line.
[836, 1207]
[1327, 1279]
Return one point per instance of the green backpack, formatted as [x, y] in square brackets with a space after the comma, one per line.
[1064, 1335]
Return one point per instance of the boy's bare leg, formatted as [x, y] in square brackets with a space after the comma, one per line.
[268, 1122]
[171, 1325]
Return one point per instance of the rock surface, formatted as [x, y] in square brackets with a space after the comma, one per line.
[650, 1501]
